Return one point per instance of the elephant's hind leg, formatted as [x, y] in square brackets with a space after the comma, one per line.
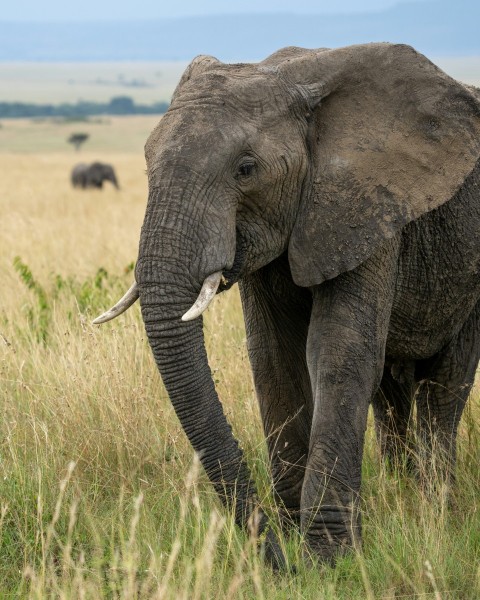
[392, 405]
[276, 316]
[445, 383]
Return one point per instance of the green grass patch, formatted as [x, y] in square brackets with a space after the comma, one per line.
[102, 497]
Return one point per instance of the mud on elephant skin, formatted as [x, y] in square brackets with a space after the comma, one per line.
[93, 175]
[340, 188]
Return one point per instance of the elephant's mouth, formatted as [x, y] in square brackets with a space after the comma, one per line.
[232, 275]
[215, 283]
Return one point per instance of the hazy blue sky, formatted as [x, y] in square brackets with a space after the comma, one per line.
[60, 10]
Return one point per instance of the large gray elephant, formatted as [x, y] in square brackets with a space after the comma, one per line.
[93, 175]
[341, 190]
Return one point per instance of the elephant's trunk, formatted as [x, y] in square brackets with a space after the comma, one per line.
[179, 250]
[115, 182]
[179, 351]
[183, 252]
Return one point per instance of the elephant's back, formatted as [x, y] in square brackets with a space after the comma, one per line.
[79, 169]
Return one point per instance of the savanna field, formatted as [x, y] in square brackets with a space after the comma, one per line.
[100, 493]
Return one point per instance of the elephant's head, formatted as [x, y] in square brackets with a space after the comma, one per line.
[319, 153]
[99, 172]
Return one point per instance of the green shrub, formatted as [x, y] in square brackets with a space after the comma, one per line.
[91, 295]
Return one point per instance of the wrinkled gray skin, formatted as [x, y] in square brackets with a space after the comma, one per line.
[93, 175]
[340, 188]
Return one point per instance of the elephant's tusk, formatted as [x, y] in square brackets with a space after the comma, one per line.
[121, 306]
[208, 291]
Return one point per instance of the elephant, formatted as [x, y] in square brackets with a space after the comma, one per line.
[341, 189]
[93, 175]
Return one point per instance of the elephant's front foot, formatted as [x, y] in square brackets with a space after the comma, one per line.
[330, 533]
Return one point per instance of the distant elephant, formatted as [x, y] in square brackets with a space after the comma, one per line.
[341, 190]
[93, 176]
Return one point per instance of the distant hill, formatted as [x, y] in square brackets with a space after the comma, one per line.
[438, 27]
[121, 105]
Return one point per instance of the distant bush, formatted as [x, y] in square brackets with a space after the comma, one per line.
[91, 296]
[120, 105]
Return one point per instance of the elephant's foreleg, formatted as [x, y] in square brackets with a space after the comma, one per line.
[276, 316]
[346, 352]
[392, 406]
[446, 381]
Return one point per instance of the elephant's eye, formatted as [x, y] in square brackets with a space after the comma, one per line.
[245, 169]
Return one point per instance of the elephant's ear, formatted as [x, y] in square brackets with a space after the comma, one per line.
[198, 65]
[391, 137]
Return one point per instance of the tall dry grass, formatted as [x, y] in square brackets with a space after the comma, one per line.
[100, 493]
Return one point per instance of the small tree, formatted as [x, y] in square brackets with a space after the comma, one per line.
[77, 139]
